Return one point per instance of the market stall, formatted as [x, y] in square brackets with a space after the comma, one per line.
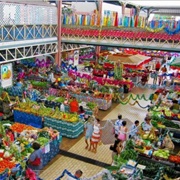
[70, 130]
[31, 113]
[15, 152]
[103, 104]
[132, 163]
[130, 61]
[54, 101]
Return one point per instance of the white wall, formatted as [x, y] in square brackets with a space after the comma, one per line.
[86, 7]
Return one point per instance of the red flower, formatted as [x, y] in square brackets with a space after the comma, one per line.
[1, 114]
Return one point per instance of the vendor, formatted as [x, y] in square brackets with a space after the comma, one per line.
[10, 137]
[19, 83]
[146, 125]
[175, 107]
[154, 97]
[178, 98]
[74, 105]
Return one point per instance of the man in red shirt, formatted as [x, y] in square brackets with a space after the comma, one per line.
[158, 65]
[74, 105]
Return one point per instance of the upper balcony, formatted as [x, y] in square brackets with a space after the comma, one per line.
[25, 23]
[27, 30]
[121, 37]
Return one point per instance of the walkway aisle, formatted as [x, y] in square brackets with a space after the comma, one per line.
[130, 113]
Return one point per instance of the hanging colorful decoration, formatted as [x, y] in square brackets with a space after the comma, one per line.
[154, 30]
[172, 31]
[130, 97]
[136, 102]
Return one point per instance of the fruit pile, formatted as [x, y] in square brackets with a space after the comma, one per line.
[162, 153]
[18, 127]
[6, 164]
[33, 108]
[174, 159]
[42, 141]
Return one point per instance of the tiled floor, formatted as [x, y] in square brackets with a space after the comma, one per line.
[77, 146]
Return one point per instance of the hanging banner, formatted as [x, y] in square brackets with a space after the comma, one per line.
[76, 57]
[6, 75]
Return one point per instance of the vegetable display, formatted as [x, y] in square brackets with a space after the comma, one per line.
[18, 151]
[41, 110]
[174, 159]
[167, 123]
[6, 164]
[42, 141]
[162, 153]
[152, 169]
[18, 127]
[91, 105]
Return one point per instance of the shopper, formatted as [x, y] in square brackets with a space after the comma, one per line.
[154, 75]
[158, 65]
[96, 136]
[116, 148]
[76, 176]
[134, 130]
[118, 124]
[123, 131]
[164, 71]
[88, 126]
[74, 105]
[35, 161]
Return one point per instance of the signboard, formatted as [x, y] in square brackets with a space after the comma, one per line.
[6, 75]
[76, 57]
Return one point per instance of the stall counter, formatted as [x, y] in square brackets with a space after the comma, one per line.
[67, 129]
[28, 119]
[103, 104]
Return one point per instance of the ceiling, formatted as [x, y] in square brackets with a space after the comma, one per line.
[171, 8]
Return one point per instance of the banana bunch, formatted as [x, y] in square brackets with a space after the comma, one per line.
[73, 119]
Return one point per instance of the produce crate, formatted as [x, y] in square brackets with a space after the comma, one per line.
[159, 158]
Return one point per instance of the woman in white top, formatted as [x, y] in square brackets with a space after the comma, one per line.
[96, 136]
